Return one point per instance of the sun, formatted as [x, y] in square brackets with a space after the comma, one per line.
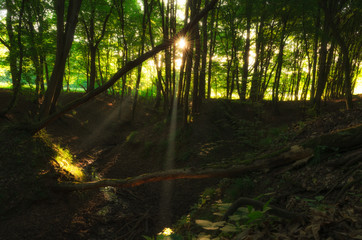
[181, 43]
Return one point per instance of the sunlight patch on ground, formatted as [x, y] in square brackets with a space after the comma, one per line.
[166, 232]
[64, 161]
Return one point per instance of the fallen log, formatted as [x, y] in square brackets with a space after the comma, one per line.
[342, 141]
[294, 154]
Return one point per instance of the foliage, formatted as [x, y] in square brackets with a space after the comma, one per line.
[244, 217]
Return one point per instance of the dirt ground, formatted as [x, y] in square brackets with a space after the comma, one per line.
[107, 144]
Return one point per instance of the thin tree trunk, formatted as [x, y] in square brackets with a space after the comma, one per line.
[275, 97]
[211, 49]
[245, 72]
[255, 82]
[315, 56]
[139, 71]
[15, 48]
[204, 58]
[195, 95]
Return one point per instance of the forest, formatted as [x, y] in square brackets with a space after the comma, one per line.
[180, 119]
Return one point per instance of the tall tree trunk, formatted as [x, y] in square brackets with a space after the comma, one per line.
[15, 48]
[125, 56]
[323, 75]
[159, 88]
[93, 69]
[195, 96]
[256, 80]
[245, 72]
[346, 67]
[315, 55]
[141, 52]
[275, 97]
[187, 83]
[202, 83]
[64, 42]
[211, 49]
[265, 62]
[305, 88]
[166, 33]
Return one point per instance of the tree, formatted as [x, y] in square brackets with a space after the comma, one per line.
[38, 42]
[245, 73]
[15, 47]
[275, 97]
[65, 36]
[94, 18]
[141, 52]
[121, 72]
[345, 29]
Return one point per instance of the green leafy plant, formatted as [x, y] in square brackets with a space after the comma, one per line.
[243, 218]
[239, 185]
[131, 138]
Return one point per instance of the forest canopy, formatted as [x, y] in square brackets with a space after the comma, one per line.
[248, 50]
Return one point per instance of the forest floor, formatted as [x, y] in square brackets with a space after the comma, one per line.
[105, 143]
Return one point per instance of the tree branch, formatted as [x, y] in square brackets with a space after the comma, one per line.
[104, 27]
[5, 44]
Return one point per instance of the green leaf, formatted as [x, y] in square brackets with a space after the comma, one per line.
[229, 228]
[319, 198]
[208, 225]
[255, 216]
[235, 217]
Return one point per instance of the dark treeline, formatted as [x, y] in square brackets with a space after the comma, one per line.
[251, 50]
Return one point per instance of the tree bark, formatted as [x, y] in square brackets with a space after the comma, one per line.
[202, 83]
[142, 50]
[315, 55]
[256, 80]
[275, 97]
[245, 72]
[211, 49]
[196, 35]
[323, 75]
[15, 48]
